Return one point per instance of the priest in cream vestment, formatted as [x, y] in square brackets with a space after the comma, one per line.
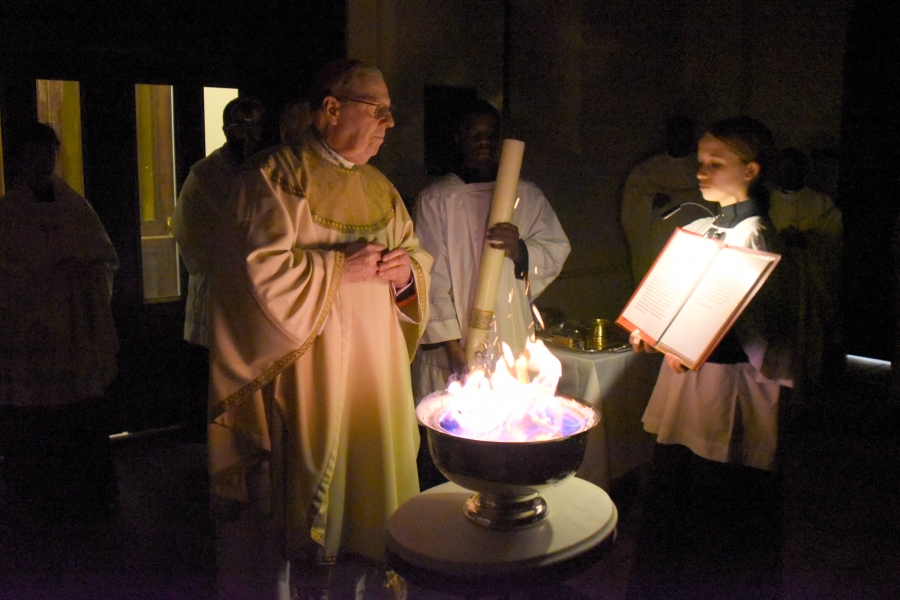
[319, 296]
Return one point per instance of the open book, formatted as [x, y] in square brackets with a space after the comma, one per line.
[693, 294]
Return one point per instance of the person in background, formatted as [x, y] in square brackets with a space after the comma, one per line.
[58, 342]
[451, 220]
[319, 293]
[657, 185]
[202, 197]
[295, 119]
[713, 518]
[811, 229]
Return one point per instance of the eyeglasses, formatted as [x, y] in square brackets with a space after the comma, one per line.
[382, 111]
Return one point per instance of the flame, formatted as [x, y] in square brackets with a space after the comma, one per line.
[516, 403]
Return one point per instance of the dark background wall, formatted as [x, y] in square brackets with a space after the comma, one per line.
[870, 178]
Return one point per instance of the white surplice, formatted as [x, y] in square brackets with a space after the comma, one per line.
[204, 192]
[57, 337]
[817, 254]
[451, 221]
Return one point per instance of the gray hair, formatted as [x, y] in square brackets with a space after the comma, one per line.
[338, 79]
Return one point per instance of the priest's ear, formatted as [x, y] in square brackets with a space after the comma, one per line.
[331, 108]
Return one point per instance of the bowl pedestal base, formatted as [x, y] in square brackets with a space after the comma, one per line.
[505, 512]
[432, 531]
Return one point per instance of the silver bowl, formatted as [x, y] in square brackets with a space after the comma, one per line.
[506, 476]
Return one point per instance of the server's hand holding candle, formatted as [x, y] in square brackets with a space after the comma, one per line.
[502, 206]
[505, 236]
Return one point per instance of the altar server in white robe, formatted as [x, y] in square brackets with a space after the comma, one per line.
[58, 341]
[811, 228]
[202, 194]
[727, 410]
[713, 518]
[451, 221]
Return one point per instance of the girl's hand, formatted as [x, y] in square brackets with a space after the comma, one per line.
[638, 344]
[675, 364]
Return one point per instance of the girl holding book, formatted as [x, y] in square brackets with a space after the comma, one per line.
[714, 510]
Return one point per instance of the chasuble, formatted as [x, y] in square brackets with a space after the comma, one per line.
[311, 410]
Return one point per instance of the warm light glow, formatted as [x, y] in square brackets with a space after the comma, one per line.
[154, 126]
[214, 101]
[515, 403]
[59, 106]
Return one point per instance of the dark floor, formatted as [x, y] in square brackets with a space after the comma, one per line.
[161, 545]
[842, 521]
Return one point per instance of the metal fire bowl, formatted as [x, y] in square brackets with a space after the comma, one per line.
[506, 476]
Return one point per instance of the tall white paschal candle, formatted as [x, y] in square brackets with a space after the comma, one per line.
[502, 205]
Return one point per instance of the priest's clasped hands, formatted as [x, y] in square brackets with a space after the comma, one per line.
[370, 260]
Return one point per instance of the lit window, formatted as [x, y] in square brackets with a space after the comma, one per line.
[156, 185]
[214, 101]
[59, 106]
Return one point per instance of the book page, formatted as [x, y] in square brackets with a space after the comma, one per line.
[670, 281]
[712, 306]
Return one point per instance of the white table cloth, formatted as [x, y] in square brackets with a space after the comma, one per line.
[619, 384]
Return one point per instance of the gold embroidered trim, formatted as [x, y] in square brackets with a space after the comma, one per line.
[423, 297]
[481, 319]
[284, 362]
[282, 182]
[317, 537]
[359, 229]
[395, 585]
